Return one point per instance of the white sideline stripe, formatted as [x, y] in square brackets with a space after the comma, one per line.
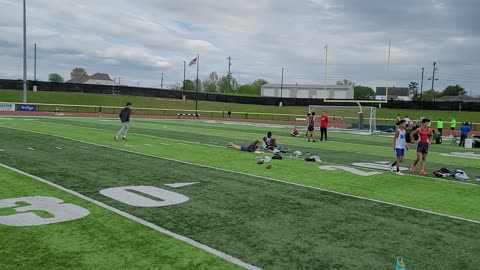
[140, 221]
[164, 143]
[147, 144]
[258, 176]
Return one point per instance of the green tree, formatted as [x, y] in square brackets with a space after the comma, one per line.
[78, 72]
[430, 95]
[363, 92]
[248, 89]
[227, 84]
[55, 77]
[345, 82]
[454, 90]
[413, 90]
[210, 85]
[190, 85]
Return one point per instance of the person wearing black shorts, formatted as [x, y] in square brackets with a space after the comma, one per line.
[311, 127]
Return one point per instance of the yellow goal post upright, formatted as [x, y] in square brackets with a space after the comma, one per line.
[371, 110]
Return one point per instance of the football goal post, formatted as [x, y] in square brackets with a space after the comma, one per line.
[348, 117]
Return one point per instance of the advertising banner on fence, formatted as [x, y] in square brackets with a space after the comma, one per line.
[26, 108]
[7, 107]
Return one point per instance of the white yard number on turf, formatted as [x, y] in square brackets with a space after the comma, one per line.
[61, 211]
[126, 196]
[348, 169]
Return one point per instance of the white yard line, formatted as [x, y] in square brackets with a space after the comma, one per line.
[260, 177]
[140, 221]
[31, 149]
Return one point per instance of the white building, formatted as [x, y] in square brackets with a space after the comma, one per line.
[308, 91]
[97, 78]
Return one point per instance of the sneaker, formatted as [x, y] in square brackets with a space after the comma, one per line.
[422, 172]
[412, 168]
[313, 140]
[115, 138]
[392, 169]
[399, 173]
[124, 138]
[308, 140]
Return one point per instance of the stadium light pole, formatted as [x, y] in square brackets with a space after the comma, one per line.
[184, 68]
[24, 51]
[433, 79]
[281, 85]
[421, 85]
[35, 63]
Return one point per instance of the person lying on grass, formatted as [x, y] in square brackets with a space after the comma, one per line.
[249, 148]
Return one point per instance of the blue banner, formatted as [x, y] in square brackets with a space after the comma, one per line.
[26, 108]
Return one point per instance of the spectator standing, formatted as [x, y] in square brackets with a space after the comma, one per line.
[464, 130]
[440, 126]
[323, 126]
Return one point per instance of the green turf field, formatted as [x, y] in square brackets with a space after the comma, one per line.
[297, 215]
[148, 102]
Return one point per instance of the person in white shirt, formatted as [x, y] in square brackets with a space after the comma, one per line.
[399, 146]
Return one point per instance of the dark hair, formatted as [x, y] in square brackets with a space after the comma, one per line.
[466, 123]
[313, 113]
[308, 114]
[425, 120]
[401, 122]
[269, 134]
[129, 103]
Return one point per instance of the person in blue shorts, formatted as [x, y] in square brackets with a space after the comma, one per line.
[399, 145]
[255, 146]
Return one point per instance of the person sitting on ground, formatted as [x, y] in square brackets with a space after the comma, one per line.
[249, 148]
[269, 142]
[295, 132]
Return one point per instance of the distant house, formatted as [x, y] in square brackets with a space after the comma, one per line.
[456, 98]
[307, 91]
[395, 93]
[97, 78]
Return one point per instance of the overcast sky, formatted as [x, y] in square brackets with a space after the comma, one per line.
[138, 40]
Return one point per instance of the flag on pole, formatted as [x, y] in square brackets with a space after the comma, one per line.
[193, 62]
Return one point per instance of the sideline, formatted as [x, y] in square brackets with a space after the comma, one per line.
[255, 176]
[140, 221]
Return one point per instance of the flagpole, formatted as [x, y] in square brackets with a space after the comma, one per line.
[184, 70]
[196, 94]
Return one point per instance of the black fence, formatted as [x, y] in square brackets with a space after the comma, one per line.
[177, 94]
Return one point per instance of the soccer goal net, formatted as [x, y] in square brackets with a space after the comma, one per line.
[348, 117]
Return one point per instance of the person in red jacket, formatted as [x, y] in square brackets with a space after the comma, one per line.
[323, 126]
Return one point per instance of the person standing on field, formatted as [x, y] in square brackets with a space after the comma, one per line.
[440, 126]
[323, 126]
[311, 127]
[125, 119]
[399, 145]
[453, 125]
[424, 140]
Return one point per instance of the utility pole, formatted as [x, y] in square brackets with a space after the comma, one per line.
[184, 68]
[24, 51]
[433, 79]
[35, 63]
[229, 73]
[281, 89]
[119, 83]
[161, 84]
[421, 86]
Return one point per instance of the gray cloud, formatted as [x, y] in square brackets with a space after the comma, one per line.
[139, 40]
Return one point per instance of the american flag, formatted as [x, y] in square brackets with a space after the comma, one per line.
[193, 62]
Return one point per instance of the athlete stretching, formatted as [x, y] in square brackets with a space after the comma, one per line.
[424, 140]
